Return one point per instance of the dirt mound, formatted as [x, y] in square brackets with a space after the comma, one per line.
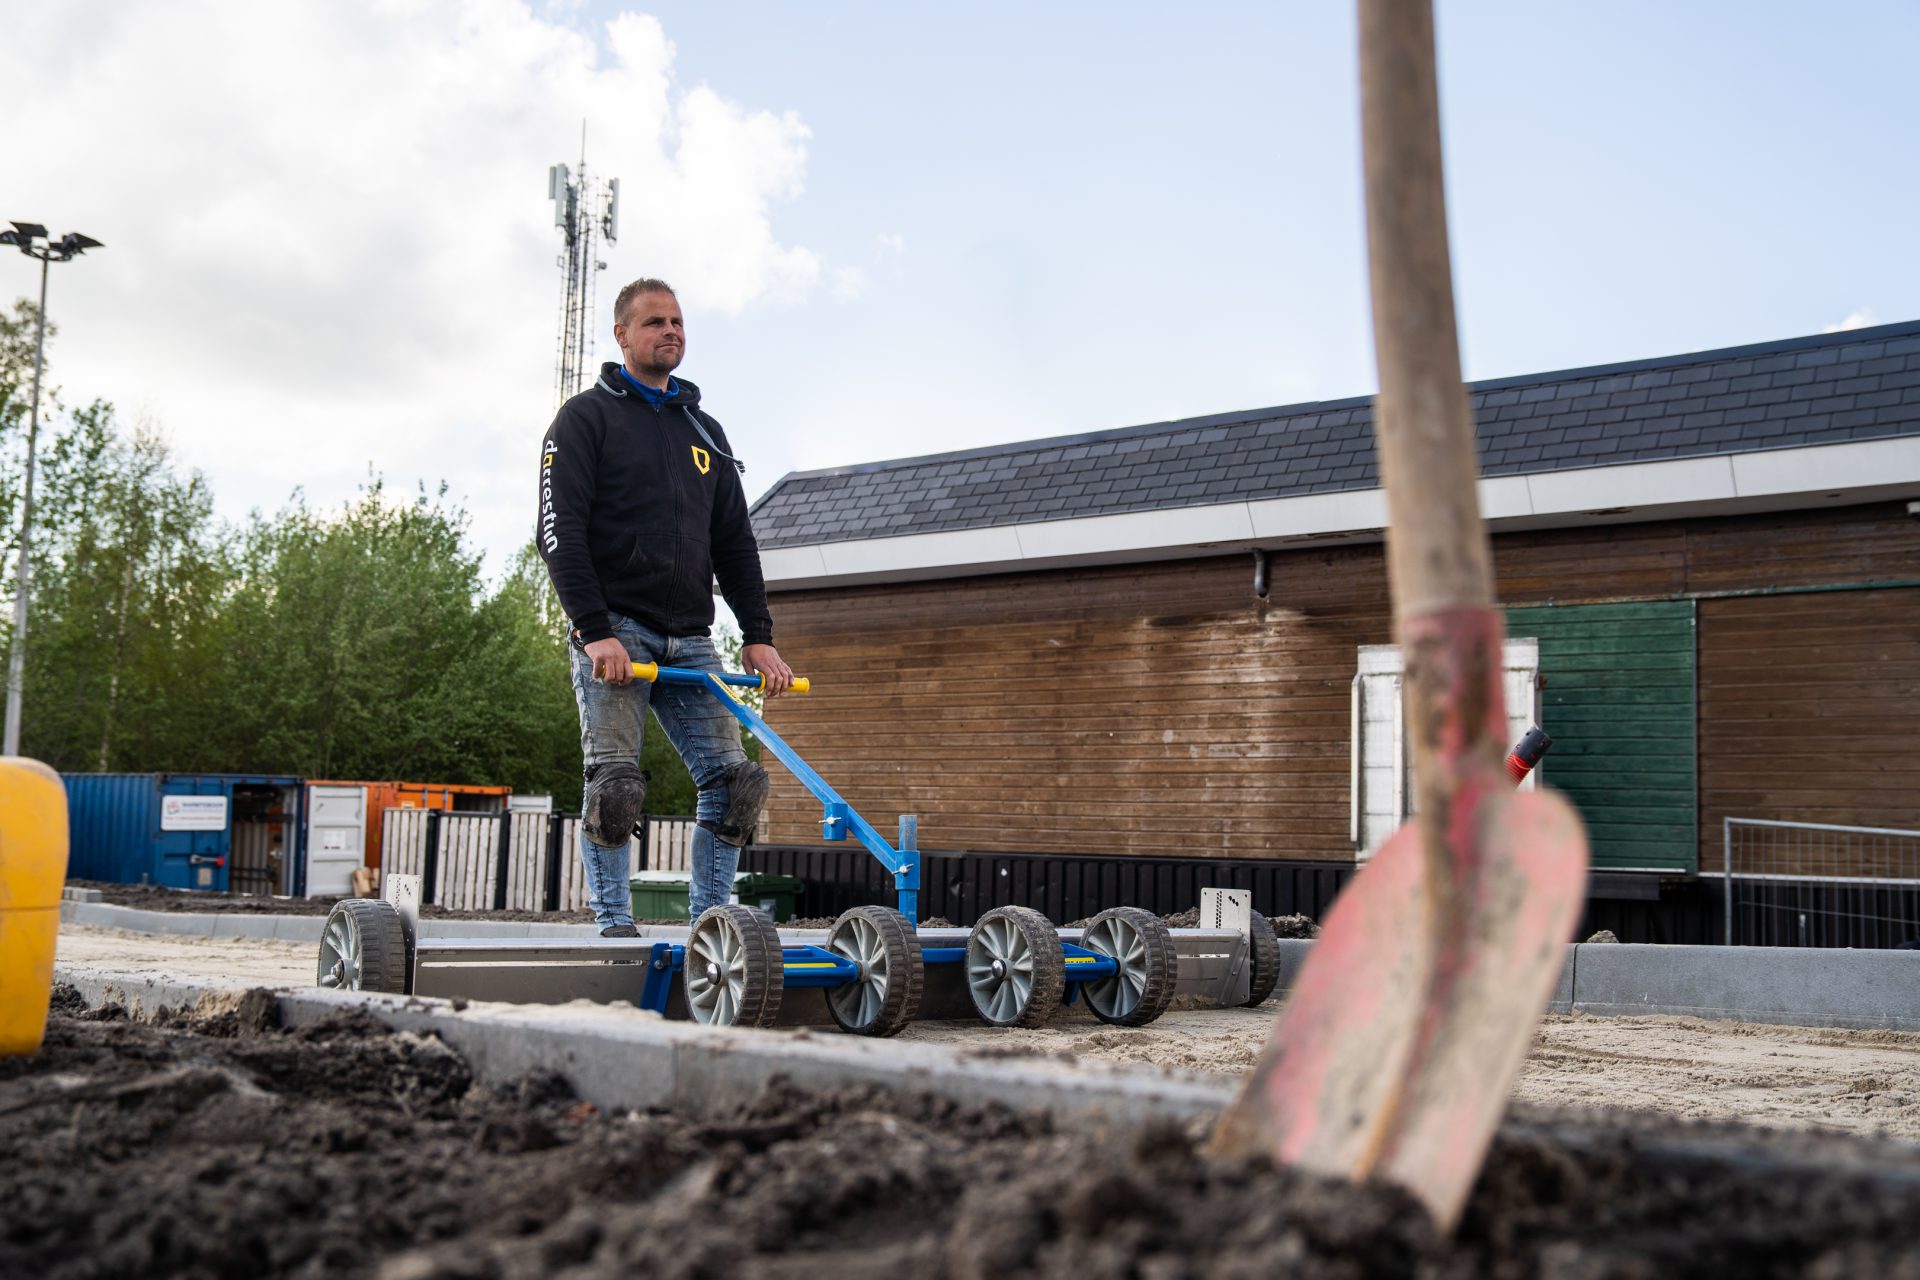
[1294, 926]
[827, 922]
[226, 1145]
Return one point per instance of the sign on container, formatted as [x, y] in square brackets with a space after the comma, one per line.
[193, 813]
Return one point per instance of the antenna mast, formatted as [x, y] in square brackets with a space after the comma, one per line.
[586, 212]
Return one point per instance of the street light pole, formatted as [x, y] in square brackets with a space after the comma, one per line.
[72, 245]
[17, 659]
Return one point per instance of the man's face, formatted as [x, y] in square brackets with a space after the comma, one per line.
[653, 337]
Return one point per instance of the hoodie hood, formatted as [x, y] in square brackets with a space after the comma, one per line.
[614, 384]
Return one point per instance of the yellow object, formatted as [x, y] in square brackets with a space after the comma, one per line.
[33, 867]
[650, 671]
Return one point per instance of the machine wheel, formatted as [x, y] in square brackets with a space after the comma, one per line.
[1263, 960]
[1138, 942]
[886, 995]
[1016, 972]
[733, 969]
[363, 947]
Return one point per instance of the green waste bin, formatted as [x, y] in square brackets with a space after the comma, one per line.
[771, 893]
[663, 895]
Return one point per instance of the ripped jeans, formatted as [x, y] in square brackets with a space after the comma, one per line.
[613, 724]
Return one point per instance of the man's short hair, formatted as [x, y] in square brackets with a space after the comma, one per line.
[645, 284]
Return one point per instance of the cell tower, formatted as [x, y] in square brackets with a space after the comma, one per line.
[586, 212]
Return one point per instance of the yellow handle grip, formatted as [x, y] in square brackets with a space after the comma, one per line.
[650, 671]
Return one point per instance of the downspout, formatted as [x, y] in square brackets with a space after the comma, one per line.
[1260, 572]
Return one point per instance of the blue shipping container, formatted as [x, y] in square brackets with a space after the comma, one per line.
[214, 831]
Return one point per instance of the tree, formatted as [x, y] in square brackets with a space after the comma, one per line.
[527, 616]
[129, 579]
[18, 333]
[359, 646]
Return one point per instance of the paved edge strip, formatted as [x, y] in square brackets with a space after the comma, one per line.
[290, 928]
[635, 1060]
[1789, 986]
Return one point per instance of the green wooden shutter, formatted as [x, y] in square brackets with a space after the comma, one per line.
[1619, 703]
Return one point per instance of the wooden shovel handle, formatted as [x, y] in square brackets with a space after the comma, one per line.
[1436, 547]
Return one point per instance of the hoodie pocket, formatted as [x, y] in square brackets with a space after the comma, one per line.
[650, 559]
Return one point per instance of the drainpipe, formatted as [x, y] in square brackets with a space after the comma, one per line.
[1260, 572]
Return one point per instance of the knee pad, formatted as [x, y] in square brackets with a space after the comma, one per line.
[615, 794]
[747, 784]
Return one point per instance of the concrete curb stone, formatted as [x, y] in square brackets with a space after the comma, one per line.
[1792, 986]
[292, 928]
[298, 928]
[628, 1059]
[1293, 954]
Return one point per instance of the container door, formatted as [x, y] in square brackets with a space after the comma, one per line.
[336, 839]
[190, 848]
[263, 814]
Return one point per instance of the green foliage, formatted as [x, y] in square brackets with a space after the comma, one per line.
[353, 643]
[728, 641]
[128, 581]
[17, 336]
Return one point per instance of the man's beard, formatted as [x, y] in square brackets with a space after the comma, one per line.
[661, 365]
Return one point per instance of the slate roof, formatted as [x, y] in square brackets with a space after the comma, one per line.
[1859, 385]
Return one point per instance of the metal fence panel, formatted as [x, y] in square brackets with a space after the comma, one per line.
[1813, 884]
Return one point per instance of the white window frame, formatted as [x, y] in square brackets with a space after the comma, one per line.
[1378, 683]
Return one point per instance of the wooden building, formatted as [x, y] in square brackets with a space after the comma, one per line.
[1147, 643]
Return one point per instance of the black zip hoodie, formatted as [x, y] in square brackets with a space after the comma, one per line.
[639, 515]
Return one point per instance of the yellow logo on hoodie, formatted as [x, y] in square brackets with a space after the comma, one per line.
[700, 459]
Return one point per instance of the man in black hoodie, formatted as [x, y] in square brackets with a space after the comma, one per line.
[641, 509]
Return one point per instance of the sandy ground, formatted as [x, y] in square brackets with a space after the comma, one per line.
[1789, 1077]
[242, 961]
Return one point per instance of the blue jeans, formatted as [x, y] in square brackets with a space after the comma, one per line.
[613, 724]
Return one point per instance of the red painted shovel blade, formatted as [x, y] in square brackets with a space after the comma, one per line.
[1496, 970]
[1320, 1091]
[1396, 1052]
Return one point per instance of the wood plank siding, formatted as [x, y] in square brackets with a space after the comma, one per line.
[1163, 709]
[1144, 709]
[1810, 712]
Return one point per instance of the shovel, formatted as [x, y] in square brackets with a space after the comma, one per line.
[1397, 1049]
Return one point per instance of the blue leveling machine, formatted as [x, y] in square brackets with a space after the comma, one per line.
[878, 969]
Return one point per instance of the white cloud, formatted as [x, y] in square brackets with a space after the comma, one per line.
[328, 241]
[1861, 319]
[849, 283]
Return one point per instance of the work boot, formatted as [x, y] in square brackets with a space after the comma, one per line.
[619, 931]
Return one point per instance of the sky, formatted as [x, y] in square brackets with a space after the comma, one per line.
[902, 228]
